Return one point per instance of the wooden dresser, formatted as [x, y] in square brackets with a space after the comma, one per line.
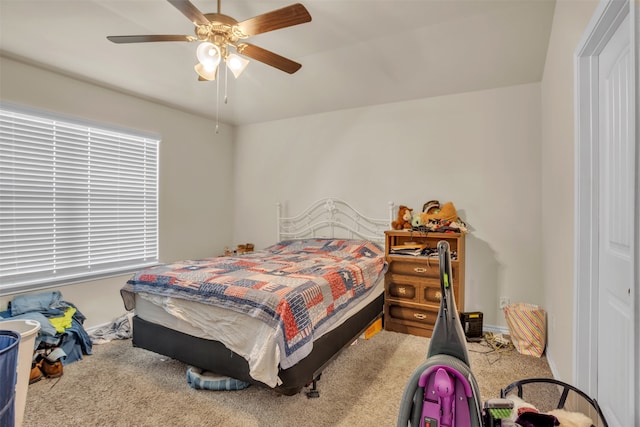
[412, 282]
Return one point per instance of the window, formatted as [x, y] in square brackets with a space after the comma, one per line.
[76, 202]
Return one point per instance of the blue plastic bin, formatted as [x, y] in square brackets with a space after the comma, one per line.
[9, 342]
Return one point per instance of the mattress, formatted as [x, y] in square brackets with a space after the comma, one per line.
[247, 336]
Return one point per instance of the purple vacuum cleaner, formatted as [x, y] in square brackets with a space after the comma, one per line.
[443, 392]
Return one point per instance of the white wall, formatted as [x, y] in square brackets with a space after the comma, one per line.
[569, 22]
[196, 170]
[480, 150]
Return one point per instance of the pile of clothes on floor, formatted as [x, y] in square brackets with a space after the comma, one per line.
[61, 339]
[120, 329]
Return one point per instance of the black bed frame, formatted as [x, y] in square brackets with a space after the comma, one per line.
[213, 356]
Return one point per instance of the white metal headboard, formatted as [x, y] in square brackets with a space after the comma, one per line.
[331, 217]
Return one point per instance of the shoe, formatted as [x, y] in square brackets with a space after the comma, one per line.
[36, 374]
[51, 369]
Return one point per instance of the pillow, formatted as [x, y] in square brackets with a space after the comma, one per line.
[327, 246]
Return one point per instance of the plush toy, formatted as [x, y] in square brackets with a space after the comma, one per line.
[445, 213]
[460, 225]
[404, 219]
[431, 206]
[416, 221]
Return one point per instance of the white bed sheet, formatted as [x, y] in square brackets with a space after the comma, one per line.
[243, 334]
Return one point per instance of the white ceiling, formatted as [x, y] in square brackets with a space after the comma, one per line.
[353, 53]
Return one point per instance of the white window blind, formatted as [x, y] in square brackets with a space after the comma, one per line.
[76, 202]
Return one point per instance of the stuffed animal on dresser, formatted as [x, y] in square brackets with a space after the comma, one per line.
[403, 222]
[416, 221]
[447, 212]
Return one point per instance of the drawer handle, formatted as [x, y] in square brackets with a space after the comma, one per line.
[439, 295]
[420, 270]
[419, 316]
[402, 291]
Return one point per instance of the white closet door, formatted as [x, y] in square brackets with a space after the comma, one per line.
[616, 230]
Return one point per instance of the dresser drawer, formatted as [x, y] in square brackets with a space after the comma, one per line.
[413, 289]
[403, 291]
[431, 292]
[420, 268]
[422, 315]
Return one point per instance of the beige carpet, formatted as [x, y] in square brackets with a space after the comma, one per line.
[124, 386]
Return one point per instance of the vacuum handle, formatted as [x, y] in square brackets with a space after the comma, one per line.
[444, 258]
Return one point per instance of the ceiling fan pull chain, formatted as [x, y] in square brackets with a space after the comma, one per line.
[217, 105]
[225, 84]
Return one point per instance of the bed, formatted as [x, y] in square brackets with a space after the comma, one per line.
[273, 317]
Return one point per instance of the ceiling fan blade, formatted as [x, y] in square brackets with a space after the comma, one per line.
[269, 58]
[274, 20]
[151, 38]
[190, 11]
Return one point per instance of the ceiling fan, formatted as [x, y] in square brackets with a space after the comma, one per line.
[217, 33]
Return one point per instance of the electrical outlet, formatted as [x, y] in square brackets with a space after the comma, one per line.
[504, 301]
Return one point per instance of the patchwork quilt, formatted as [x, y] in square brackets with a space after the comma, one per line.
[294, 286]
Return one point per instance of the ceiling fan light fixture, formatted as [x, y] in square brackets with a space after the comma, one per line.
[236, 64]
[205, 73]
[209, 55]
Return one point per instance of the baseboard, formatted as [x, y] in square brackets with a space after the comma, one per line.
[95, 327]
[485, 328]
[128, 314]
[495, 329]
[552, 366]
